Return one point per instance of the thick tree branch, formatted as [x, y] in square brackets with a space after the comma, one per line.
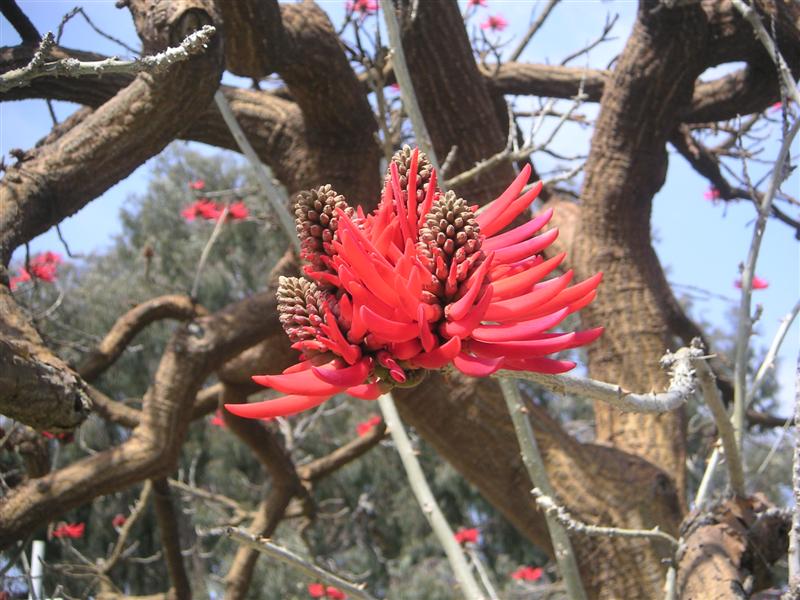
[53, 181]
[20, 22]
[36, 387]
[173, 306]
[170, 539]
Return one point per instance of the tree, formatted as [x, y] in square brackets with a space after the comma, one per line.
[318, 126]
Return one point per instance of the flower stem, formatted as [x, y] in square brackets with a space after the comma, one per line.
[430, 508]
[532, 458]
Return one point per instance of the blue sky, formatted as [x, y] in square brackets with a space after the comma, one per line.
[700, 244]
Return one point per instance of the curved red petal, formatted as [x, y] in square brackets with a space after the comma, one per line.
[465, 326]
[523, 281]
[279, 407]
[346, 377]
[438, 357]
[459, 309]
[519, 330]
[522, 349]
[568, 295]
[497, 206]
[511, 213]
[304, 383]
[518, 234]
[528, 305]
[365, 391]
[476, 366]
[539, 365]
[393, 331]
[530, 247]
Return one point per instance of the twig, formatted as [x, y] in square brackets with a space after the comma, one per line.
[116, 553]
[264, 546]
[769, 359]
[276, 196]
[532, 459]
[713, 398]
[78, 10]
[535, 26]
[201, 264]
[744, 326]
[794, 533]
[472, 552]
[680, 389]
[708, 476]
[430, 508]
[551, 507]
[403, 76]
[70, 67]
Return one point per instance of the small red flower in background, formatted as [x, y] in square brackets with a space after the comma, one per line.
[316, 590]
[476, 2]
[43, 266]
[712, 193]
[238, 211]
[527, 574]
[211, 211]
[197, 185]
[335, 593]
[758, 283]
[65, 437]
[217, 420]
[421, 283]
[466, 535]
[776, 107]
[119, 520]
[70, 530]
[365, 427]
[495, 23]
[364, 7]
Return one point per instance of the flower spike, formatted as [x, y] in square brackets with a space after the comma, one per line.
[422, 283]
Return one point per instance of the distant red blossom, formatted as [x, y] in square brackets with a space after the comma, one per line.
[495, 23]
[363, 7]
[476, 2]
[421, 283]
[712, 193]
[318, 590]
[65, 437]
[197, 185]
[217, 420]
[776, 107]
[365, 427]
[527, 574]
[119, 520]
[43, 266]
[69, 530]
[467, 535]
[211, 211]
[758, 283]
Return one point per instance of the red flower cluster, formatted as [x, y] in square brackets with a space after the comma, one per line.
[495, 23]
[712, 193]
[211, 211]
[422, 283]
[528, 574]
[65, 437]
[197, 185]
[43, 266]
[318, 590]
[70, 530]
[758, 283]
[363, 7]
[217, 420]
[365, 427]
[464, 536]
[476, 2]
[119, 520]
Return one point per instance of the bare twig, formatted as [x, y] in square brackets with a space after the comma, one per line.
[680, 389]
[532, 458]
[116, 553]
[201, 264]
[276, 196]
[548, 504]
[431, 510]
[403, 76]
[535, 26]
[769, 359]
[71, 67]
[713, 398]
[794, 533]
[264, 546]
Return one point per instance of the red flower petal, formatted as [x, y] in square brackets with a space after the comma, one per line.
[304, 382]
[526, 306]
[476, 366]
[279, 407]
